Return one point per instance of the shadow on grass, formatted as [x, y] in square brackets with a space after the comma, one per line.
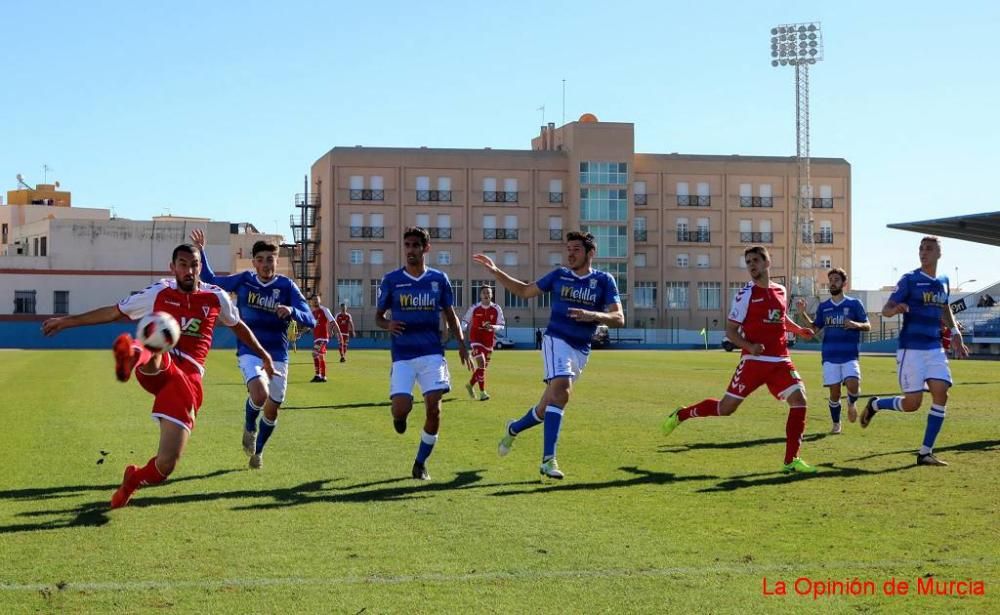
[824, 471]
[417, 405]
[964, 447]
[694, 446]
[639, 477]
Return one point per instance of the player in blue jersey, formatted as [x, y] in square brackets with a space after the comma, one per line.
[842, 319]
[267, 301]
[582, 298]
[922, 298]
[416, 296]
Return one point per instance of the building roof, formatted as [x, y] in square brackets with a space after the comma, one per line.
[978, 228]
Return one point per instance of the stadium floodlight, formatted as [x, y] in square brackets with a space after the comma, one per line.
[800, 45]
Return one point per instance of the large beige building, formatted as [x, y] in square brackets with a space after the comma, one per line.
[671, 227]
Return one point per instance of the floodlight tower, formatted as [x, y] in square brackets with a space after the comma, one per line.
[800, 45]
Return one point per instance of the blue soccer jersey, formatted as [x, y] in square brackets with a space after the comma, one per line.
[927, 299]
[258, 302]
[417, 303]
[595, 291]
[840, 345]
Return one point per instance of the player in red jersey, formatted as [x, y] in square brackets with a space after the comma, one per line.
[345, 330]
[321, 336]
[482, 320]
[174, 378]
[757, 324]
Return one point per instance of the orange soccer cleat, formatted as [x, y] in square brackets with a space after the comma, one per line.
[124, 493]
[126, 356]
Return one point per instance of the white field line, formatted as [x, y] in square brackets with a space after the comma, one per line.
[527, 575]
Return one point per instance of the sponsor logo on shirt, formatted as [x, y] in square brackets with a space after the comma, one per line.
[257, 300]
[417, 301]
[935, 299]
[578, 295]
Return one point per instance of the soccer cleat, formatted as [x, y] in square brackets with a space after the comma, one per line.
[256, 461]
[249, 442]
[318, 378]
[399, 425]
[836, 429]
[507, 442]
[671, 422]
[551, 469]
[798, 466]
[343, 360]
[124, 493]
[869, 412]
[125, 357]
[852, 411]
[483, 396]
[929, 460]
[419, 471]
[472, 394]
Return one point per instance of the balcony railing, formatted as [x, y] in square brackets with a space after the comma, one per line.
[439, 232]
[817, 237]
[762, 237]
[756, 201]
[500, 233]
[367, 232]
[367, 195]
[639, 234]
[499, 197]
[555, 197]
[443, 196]
[640, 199]
[688, 200]
[694, 236]
[555, 234]
[822, 203]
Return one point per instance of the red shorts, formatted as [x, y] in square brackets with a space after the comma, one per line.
[319, 347]
[780, 377]
[478, 350]
[344, 340]
[177, 388]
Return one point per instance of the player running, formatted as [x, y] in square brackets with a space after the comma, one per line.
[482, 321]
[345, 330]
[173, 378]
[757, 324]
[321, 336]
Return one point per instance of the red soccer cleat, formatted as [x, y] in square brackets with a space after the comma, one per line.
[124, 493]
[126, 356]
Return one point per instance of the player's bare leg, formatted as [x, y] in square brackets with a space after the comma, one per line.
[173, 439]
[402, 404]
[853, 386]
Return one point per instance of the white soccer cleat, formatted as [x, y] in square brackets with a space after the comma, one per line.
[256, 461]
[507, 442]
[249, 442]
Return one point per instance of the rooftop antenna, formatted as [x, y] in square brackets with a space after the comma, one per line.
[45, 173]
[542, 109]
[564, 102]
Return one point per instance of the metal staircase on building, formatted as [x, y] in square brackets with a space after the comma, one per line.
[305, 232]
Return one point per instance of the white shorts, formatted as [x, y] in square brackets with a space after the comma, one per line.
[560, 359]
[918, 366]
[252, 367]
[836, 373]
[429, 371]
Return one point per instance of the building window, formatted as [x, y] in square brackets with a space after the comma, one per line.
[555, 191]
[375, 257]
[682, 261]
[612, 241]
[825, 234]
[3, 233]
[373, 291]
[476, 286]
[702, 261]
[24, 302]
[603, 204]
[444, 257]
[676, 295]
[510, 258]
[360, 193]
[618, 269]
[555, 228]
[44, 247]
[639, 228]
[60, 302]
[456, 293]
[357, 257]
[615, 173]
[349, 292]
[709, 295]
[513, 301]
[645, 295]
[640, 259]
[357, 182]
[734, 288]
[35, 244]
[682, 189]
[544, 300]
[555, 259]
[825, 262]
[510, 190]
[639, 193]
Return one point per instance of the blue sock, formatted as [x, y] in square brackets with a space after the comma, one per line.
[890, 403]
[553, 421]
[252, 412]
[852, 398]
[427, 442]
[835, 411]
[527, 421]
[934, 421]
[266, 429]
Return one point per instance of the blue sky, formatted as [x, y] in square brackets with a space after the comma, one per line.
[219, 109]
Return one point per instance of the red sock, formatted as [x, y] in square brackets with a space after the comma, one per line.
[148, 475]
[706, 407]
[795, 426]
[322, 366]
[316, 363]
[481, 378]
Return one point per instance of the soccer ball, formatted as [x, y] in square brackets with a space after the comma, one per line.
[158, 332]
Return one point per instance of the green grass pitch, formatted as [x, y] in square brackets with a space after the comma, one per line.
[701, 521]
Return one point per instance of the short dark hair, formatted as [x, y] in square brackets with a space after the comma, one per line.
[757, 250]
[585, 238]
[343, 304]
[838, 271]
[188, 248]
[263, 246]
[416, 231]
[932, 239]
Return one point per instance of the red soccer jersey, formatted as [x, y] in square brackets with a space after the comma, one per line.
[196, 313]
[344, 322]
[321, 332]
[760, 312]
[479, 315]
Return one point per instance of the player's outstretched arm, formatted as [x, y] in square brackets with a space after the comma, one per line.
[797, 329]
[525, 290]
[227, 282]
[100, 316]
[245, 335]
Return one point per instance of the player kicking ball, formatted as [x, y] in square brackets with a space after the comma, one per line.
[173, 378]
[757, 324]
